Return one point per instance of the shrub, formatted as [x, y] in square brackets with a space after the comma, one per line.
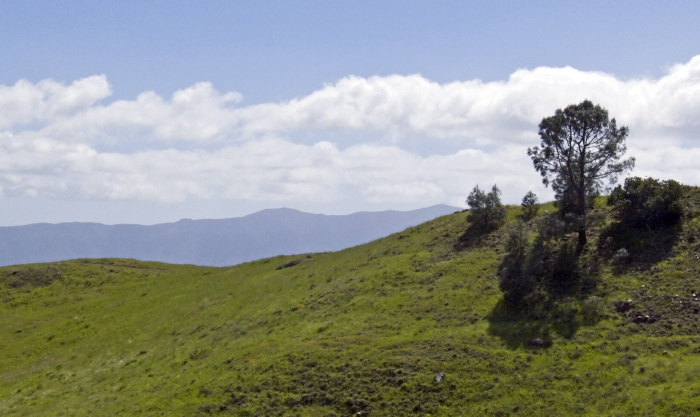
[648, 202]
[594, 307]
[530, 206]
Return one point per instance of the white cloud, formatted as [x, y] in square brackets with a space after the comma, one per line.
[195, 114]
[48, 100]
[61, 141]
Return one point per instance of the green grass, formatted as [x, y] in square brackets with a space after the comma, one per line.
[362, 331]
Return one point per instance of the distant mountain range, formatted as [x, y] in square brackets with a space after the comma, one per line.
[220, 242]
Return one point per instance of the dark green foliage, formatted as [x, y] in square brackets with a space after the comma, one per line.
[553, 261]
[530, 206]
[487, 211]
[567, 203]
[629, 247]
[565, 271]
[517, 244]
[580, 148]
[534, 276]
[648, 213]
[648, 202]
[514, 282]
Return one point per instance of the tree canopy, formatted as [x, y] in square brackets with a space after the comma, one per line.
[580, 148]
[530, 205]
[487, 211]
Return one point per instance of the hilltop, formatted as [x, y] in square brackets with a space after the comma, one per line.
[410, 324]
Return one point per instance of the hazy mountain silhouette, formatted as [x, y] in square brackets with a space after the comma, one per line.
[207, 242]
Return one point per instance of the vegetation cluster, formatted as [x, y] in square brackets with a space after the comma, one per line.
[580, 148]
[648, 202]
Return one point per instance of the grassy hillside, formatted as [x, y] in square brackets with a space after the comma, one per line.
[363, 331]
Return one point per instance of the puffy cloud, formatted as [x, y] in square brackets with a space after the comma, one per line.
[198, 113]
[393, 139]
[48, 100]
[474, 112]
[396, 107]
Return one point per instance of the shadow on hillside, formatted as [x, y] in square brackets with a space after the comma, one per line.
[475, 236]
[633, 248]
[30, 277]
[518, 331]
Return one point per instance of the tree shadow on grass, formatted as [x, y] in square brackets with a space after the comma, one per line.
[519, 330]
[635, 248]
[557, 316]
[29, 277]
[547, 289]
[515, 331]
[476, 236]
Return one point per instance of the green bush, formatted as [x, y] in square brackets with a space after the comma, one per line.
[530, 206]
[648, 202]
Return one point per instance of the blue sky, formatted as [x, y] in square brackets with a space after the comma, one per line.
[151, 111]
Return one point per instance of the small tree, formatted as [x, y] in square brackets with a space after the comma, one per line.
[580, 148]
[487, 211]
[648, 202]
[530, 206]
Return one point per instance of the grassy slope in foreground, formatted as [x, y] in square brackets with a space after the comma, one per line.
[363, 331]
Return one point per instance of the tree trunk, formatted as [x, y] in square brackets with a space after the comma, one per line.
[582, 239]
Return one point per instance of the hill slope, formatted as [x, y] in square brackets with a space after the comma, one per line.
[363, 331]
[221, 242]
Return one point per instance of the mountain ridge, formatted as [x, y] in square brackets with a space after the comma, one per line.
[207, 242]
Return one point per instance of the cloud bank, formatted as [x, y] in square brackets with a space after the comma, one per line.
[394, 139]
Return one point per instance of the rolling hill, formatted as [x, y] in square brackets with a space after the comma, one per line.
[409, 324]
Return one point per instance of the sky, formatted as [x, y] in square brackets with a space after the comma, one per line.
[152, 111]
